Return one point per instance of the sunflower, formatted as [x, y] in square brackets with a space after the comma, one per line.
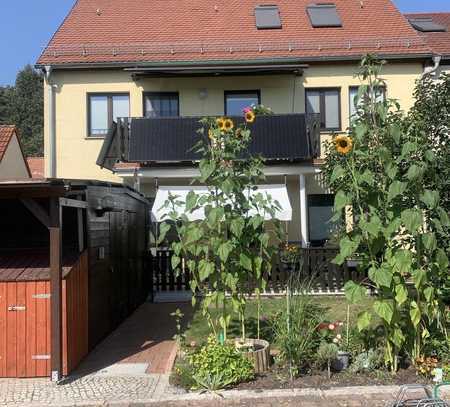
[228, 125]
[249, 116]
[210, 134]
[343, 144]
[221, 123]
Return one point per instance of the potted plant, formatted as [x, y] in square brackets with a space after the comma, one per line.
[289, 256]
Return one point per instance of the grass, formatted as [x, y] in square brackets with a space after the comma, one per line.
[335, 310]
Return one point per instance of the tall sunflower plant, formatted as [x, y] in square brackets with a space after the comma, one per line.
[229, 252]
[392, 222]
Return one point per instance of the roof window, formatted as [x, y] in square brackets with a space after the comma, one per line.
[426, 24]
[267, 16]
[323, 15]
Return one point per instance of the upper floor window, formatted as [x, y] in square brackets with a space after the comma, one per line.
[237, 101]
[327, 102]
[380, 95]
[161, 104]
[104, 108]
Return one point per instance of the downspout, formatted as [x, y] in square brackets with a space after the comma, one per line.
[51, 158]
[431, 70]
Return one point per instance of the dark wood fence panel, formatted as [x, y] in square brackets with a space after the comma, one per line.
[318, 269]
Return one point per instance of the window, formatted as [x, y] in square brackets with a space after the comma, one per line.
[323, 15]
[327, 102]
[267, 17]
[320, 212]
[353, 92]
[103, 109]
[237, 101]
[161, 104]
[426, 24]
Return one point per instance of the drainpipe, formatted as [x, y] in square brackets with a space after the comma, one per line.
[431, 70]
[51, 158]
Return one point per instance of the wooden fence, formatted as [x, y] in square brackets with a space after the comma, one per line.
[323, 275]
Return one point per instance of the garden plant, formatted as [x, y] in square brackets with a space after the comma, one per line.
[392, 198]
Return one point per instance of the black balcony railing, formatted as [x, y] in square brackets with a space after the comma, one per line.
[293, 137]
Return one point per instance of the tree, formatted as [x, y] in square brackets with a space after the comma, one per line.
[26, 110]
[5, 104]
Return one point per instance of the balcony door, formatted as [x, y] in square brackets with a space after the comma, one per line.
[161, 104]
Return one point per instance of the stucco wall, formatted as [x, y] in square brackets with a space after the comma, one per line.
[13, 166]
[76, 154]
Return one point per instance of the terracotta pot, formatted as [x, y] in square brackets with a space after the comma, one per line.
[260, 356]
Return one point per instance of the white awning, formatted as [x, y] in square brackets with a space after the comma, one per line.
[277, 192]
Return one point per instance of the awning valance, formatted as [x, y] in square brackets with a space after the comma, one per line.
[277, 192]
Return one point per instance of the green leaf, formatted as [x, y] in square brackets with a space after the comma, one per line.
[367, 177]
[175, 261]
[428, 293]
[206, 169]
[363, 320]
[205, 269]
[402, 261]
[354, 293]
[401, 294]
[163, 229]
[191, 201]
[227, 186]
[430, 156]
[348, 246]
[245, 262]
[412, 219]
[395, 189]
[397, 337]
[224, 251]
[442, 259]
[429, 241]
[415, 314]
[419, 277]
[193, 235]
[430, 198]
[396, 133]
[391, 171]
[384, 310]
[414, 172]
[381, 276]
[237, 226]
[338, 172]
[374, 226]
[408, 148]
[341, 200]
[444, 218]
[256, 221]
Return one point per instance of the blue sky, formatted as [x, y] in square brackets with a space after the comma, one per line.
[27, 25]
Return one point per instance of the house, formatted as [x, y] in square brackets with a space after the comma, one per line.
[435, 29]
[165, 64]
[13, 164]
[36, 165]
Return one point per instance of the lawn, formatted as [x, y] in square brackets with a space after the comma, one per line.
[335, 309]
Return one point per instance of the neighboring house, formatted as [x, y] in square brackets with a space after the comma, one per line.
[13, 164]
[435, 28]
[36, 165]
[167, 61]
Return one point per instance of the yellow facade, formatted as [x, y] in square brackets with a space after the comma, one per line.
[76, 153]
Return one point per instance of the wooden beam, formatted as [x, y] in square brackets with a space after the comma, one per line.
[37, 210]
[73, 203]
[56, 289]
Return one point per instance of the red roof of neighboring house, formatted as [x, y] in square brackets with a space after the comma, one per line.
[36, 165]
[106, 31]
[438, 41]
[6, 134]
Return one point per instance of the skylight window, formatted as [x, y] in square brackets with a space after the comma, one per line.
[323, 15]
[426, 24]
[267, 17]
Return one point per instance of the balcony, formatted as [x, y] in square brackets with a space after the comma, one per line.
[289, 137]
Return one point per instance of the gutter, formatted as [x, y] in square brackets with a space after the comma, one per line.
[431, 70]
[51, 158]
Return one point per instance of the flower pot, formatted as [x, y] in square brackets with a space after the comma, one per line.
[259, 355]
[342, 361]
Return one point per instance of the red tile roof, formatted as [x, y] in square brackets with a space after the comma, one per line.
[6, 134]
[438, 41]
[105, 31]
[36, 165]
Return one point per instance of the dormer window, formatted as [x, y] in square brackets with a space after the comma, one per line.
[323, 15]
[426, 24]
[267, 17]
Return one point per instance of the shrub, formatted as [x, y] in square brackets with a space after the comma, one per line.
[367, 361]
[326, 353]
[216, 366]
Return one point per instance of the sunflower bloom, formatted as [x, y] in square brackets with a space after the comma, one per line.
[250, 116]
[343, 144]
[221, 123]
[228, 125]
